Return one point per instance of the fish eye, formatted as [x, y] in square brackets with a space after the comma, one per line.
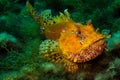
[78, 33]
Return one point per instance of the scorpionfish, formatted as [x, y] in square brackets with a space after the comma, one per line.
[68, 42]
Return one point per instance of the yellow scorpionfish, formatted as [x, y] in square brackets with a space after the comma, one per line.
[68, 42]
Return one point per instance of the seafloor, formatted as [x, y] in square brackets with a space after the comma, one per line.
[20, 37]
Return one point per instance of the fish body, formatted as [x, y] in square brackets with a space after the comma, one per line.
[76, 43]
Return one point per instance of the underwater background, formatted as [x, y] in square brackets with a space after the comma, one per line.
[21, 36]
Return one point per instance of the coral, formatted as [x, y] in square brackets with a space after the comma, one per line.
[8, 43]
[114, 8]
[8, 21]
[10, 75]
[111, 72]
[26, 72]
[5, 6]
[114, 65]
[105, 76]
[5, 37]
[116, 25]
[29, 72]
[30, 32]
[114, 41]
[50, 67]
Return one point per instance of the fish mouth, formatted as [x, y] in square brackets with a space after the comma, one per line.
[92, 51]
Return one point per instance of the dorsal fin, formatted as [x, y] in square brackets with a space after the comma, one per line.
[33, 13]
